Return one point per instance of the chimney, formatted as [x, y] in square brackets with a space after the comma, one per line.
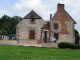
[60, 7]
[50, 16]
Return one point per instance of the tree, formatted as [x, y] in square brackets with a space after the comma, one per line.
[4, 32]
[77, 37]
[17, 18]
[7, 24]
[47, 21]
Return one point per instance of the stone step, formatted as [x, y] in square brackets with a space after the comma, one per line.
[36, 45]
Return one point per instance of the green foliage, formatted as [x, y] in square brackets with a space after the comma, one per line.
[47, 21]
[7, 24]
[77, 37]
[68, 45]
[4, 32]
[17, 18]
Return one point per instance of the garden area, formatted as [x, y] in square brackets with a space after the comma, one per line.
[35, 53]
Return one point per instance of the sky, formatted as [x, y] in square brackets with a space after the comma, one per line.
[42, 7]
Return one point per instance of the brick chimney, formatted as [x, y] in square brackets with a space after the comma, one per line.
[60, 7]
[50, 16]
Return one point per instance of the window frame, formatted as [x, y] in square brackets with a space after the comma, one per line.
[55, 25]
[32, 21]
[57, 35]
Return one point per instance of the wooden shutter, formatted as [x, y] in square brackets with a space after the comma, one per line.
[55, 26]
[31, 34]
[56, 35]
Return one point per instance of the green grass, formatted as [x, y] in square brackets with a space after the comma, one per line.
[34, 53]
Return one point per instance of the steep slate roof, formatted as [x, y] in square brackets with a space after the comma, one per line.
[32, 14]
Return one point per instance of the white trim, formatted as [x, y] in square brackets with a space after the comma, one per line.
[43, 34]
[46, 30]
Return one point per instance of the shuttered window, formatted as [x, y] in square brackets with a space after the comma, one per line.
[55, 26]
[31, 34]
[56, 35]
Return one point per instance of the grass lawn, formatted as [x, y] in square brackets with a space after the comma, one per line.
[34, 53]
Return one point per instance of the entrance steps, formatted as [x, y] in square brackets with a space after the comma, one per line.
[34, 45]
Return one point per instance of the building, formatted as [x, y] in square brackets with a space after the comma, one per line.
[32, 29]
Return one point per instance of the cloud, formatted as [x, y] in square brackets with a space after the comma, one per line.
[25, 5]
[46, 7]
[2, 12]
[79, 32]
[38, 6]
[74, 12]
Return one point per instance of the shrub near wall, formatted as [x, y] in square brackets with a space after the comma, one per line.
[68, 45]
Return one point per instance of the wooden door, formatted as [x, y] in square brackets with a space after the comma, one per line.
[31, 34]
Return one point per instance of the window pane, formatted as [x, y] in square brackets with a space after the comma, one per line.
[32, 21]
[55, 26]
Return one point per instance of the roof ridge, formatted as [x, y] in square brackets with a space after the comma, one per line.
[32, 14]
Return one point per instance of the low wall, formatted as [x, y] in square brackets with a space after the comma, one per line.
[50, 45]
[8, 42]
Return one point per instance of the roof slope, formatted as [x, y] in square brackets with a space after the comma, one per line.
[63, 15]
[31, 15]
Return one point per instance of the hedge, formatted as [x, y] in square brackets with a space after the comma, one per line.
[68, 45]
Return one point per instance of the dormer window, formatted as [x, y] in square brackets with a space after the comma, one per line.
[32, 21]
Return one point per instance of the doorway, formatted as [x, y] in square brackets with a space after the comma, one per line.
[45, 36]
[56, 35]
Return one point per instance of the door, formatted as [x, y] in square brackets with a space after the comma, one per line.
[31, 34]
[56, 35]
[45, 36]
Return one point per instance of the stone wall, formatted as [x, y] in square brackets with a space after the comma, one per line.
[8, 42]
[25, 26]
[55, 30]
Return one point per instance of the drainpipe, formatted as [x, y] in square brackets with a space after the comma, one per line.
[18, 35]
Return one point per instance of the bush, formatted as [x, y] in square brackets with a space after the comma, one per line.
[68, 45]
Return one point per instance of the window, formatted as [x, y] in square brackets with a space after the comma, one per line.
[55, 26]
[32, 21]
[56, 35]
[31, 34]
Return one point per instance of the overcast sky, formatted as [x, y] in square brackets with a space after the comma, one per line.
[43, 7]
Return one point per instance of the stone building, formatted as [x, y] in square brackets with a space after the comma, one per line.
[33, 29]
